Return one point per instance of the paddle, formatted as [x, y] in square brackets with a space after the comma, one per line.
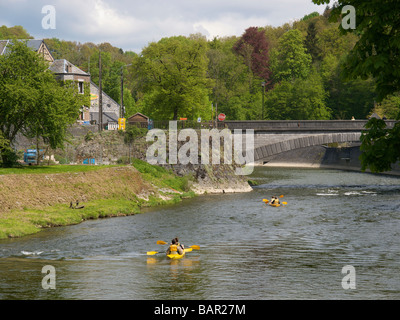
[151, 253]
[266, 200]
[193, 247]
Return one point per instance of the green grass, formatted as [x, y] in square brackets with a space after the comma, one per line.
[18, 223]
[52, 169]
[29, 221]
[161, 176]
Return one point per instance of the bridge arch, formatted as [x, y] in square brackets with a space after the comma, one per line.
[271, 149]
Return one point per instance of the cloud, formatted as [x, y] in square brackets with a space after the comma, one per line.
[132, 24]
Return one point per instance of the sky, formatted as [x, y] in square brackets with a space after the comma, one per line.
[132, 25]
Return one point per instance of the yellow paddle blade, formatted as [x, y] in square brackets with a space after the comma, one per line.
[161, 242]
[195, 247]
[284, 202]
[266, 200]
[151, 253]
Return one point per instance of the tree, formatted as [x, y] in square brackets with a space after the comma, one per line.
[16, 32]
[389, 107]
[311, 43]
[173, 75]
[290, 59]
[230, 74]
[299, 99]
[376, 54]
[254, 48]
[32, 102]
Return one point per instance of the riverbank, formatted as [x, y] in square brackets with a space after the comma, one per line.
[37, 198]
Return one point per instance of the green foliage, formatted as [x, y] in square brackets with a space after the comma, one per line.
[302, 99]
[377, 49]
[132, 132]
[310, 16]
[16, 32]
[375, 55]
[389, 107]
[183, 76]
[290, 59]
[174, 78]
[380, 146]
[162, 176]
[32, 102]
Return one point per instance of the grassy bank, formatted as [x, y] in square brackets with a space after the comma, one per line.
[33, 198]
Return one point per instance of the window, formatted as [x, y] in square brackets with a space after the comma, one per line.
[81, 87]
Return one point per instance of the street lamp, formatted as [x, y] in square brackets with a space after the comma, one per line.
[262, 106]
[121, 113]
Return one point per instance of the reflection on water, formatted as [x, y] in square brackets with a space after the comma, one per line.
[248, 250]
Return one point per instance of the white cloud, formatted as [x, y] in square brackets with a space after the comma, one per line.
[228, 25]
[132, 24]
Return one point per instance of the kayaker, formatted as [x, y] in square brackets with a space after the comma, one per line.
[179, 244]
[275, 200]
[174, 248]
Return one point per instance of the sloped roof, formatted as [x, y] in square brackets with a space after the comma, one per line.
[104, 94]
[34, 44]
[107, 116]
[138, 114]
[60, 67]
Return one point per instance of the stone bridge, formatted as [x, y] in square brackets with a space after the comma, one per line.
[274, 137]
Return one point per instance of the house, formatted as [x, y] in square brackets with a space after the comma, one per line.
[139, 120]
[38, 46]
[111, 109]
[64, 71]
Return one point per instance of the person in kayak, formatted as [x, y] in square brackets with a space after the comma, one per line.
[179, 244]
[275, 200]
[174, 248]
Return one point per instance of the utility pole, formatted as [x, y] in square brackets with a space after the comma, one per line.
[122, 112]
[100, 97]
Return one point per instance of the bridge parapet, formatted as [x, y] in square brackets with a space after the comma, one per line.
[302, 125]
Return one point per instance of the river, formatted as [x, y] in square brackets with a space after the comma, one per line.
[248, 250]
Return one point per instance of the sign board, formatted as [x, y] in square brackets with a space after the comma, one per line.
[121, 123]
[182, 118]
[221, 117]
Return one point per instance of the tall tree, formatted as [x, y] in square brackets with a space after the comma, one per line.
[254, 48]
[174, 78]
[311, 42]
[32, 102]
[290, 59]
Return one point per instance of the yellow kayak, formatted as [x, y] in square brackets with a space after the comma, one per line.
[177, 255]
[274, 204]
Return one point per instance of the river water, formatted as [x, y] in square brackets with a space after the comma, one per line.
[248, 250]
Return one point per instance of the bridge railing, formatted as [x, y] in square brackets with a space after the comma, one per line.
[302, 125]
